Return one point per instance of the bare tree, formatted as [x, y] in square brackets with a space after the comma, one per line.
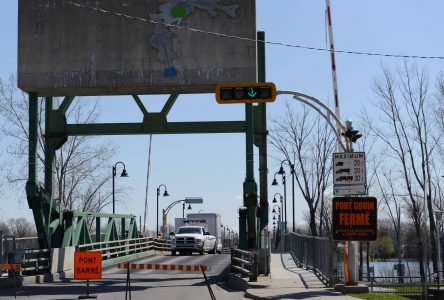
[20, 227]
[308, 142]
[81, 163]
[407, 133]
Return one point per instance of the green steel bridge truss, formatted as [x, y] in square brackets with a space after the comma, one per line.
[58, 226]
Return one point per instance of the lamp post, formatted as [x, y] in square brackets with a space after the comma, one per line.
[285, 197]
[183, 209]
[281, 208]
[165, 194]
[282, 172]
[223, 237]
[124, 174]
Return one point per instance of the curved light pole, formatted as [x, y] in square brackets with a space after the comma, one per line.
[282, 172]
[124, 174]
[165, 194]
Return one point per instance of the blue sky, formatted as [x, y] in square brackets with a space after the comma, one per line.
[212, 166]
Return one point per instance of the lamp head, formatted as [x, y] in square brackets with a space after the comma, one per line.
[124, 173]
[273, 211]
[274, 200]
[274, 182]
[189, 206]
[165, 194]
[281, 171]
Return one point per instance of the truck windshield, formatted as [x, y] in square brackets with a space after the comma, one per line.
[189, 230]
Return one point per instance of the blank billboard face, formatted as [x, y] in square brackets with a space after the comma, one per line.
[106, 47]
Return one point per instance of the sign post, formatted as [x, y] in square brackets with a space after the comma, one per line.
[87, 265]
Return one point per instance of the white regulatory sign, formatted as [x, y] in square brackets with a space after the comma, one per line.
[349, 169]
[348, 190]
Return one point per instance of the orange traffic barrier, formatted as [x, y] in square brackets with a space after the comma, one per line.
[11, 266]
[162, 267]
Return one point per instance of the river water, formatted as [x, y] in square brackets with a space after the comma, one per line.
[386, 268]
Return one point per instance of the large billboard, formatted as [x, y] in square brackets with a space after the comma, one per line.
[105, 47]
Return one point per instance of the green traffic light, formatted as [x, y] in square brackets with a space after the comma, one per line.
[251, 92]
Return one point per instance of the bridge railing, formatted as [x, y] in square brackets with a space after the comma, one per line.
[123, 250]
[245, 263]
[314, 253]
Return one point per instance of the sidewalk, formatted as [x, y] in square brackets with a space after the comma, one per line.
[287, 281]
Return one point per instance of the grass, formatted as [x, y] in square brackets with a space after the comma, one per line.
[373, 296]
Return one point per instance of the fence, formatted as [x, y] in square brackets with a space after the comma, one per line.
[121, 250]
[245, 263]
[25, 251]
[314, 253]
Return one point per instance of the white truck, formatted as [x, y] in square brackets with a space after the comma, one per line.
[191, 238]
[211, 221]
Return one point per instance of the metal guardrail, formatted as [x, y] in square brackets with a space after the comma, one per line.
[245, 263]
[24, 251]
[314, 253]
[122, 250]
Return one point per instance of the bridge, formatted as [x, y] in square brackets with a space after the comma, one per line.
[283, 265]
[293, 270]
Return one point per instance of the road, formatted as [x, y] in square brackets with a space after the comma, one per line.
[146, 284]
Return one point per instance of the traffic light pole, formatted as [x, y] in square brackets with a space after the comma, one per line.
[250, 188]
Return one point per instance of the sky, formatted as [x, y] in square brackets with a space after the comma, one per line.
[213, 166]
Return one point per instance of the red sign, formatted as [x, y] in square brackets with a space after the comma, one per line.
[355, 218]
[88, 265]
[10, 267]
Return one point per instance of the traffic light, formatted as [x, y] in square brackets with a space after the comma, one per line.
[352, 135]
[245, 92]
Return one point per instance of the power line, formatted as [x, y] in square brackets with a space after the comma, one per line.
[250, 39]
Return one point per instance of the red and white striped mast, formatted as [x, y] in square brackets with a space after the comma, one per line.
[338, 126]
[333, 67]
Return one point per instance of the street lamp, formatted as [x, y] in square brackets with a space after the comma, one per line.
[124, 174]
[292, 172]
[183, 208]
[285, 195]
[281, 208]
[165, 194]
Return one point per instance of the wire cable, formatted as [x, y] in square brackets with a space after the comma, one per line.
[252, 39]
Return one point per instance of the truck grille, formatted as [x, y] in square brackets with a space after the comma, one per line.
[185, 240]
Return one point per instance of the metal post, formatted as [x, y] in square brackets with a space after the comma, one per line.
[183, 210]
[157, 212]
[284, 181]
[242, 229]
[1, 247]
[98, 229]
[250, 188]
[398, 240]
[292, 196]
[123, 229]
[33, 113]
[261, 142]
[114, 198]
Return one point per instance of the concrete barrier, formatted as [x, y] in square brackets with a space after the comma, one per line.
[62, 259]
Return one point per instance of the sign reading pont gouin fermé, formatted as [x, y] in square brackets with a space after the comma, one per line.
[355, 218]
[88, 265]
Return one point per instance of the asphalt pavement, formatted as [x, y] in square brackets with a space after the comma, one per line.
[145, 284]
[287, 281]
